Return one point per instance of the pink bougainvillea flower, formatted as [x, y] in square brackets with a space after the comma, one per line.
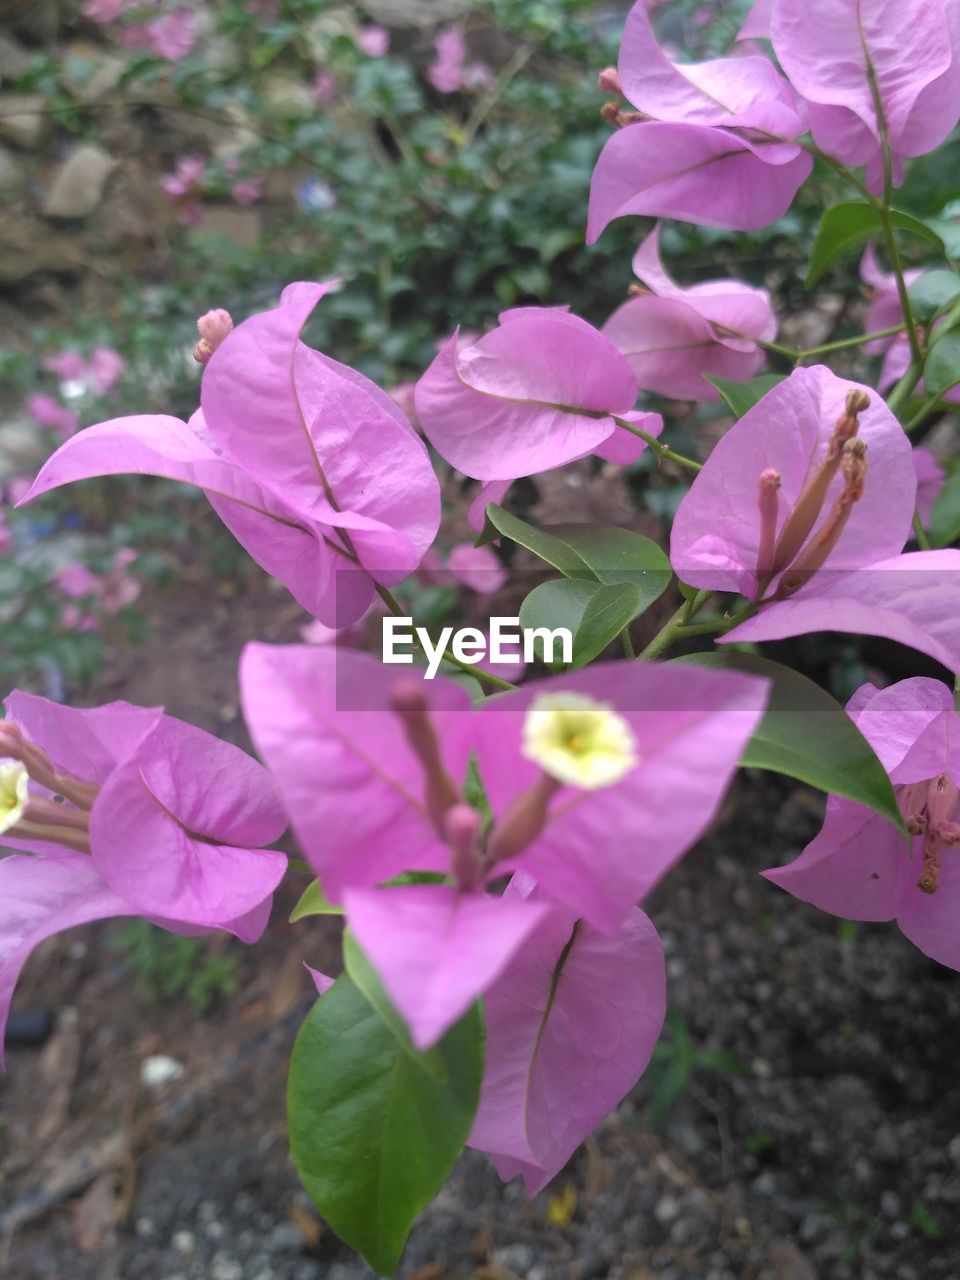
[931, 478]
[673, 336]
[47, 412]
[172, 35]
[860, 866]
[316, 713]
[588, 819]
[836, 51]
[571, 1024]
[312, 467]
[374, 41]
[803, 507]
[173, 819]
[187, 177]
[154, 818]
[105, 10]
[536, 392]
[709, 142]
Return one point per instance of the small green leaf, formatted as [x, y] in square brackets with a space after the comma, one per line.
[559, 603]
[594, 614]
[806, 734]
[314, 902]
[591, 553]
[372, 1133]
[948, 229]
[942, 370]
[933, 293]
[741, 396]
[846, 225]
[945, 522]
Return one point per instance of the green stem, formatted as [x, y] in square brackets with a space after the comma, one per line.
[904, 389]
[841, 169]
[920, 533]
[627, 642]
[662, 450]
[923, 412]
[676, 626]
[840, 345]
[398, 611]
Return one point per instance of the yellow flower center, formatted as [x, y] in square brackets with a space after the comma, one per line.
[578, 741]
[14, 781]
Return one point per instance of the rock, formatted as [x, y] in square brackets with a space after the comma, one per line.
[14, 58]
[12, 177]
[158, 1070]
[22, 118]
[90, 71]
[78, 184]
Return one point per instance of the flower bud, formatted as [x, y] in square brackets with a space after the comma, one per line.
[213, 327]
[768, 500]
[609, 81]
[409, 701]
[461, 827]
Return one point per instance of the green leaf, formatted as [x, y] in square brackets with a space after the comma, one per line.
[741, 396]
[846, 225]
[314, 902]
[591, 553]
[366, 979]
[373, 1135]
[945, 522]
[933, 293]
[948, 229]
[942, 370]
[807, 735]
[594, 614]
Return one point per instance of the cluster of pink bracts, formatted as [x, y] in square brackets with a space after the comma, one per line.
[597, 782]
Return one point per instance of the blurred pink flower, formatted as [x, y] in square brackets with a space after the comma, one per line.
[247, 191]
[187, 176]
[374, 41]
[447, 73]
[18, 487]
[74, 619]
[47, 412]
[105, 10]
[173, 35]
[66, 364]
[77, 581]
[324, 86]
[106, 367]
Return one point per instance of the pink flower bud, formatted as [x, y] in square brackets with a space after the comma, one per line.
[609, 81]
[213, 327]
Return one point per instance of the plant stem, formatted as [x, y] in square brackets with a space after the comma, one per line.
[920, 533]
[398, 611]
[901, 392]
[672, 629]
[839, 345]
[625, 640]
[662, 450]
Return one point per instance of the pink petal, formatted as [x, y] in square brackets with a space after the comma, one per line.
[757, 24]
[824, 47]
[855, 868]
[931, 478]
[87, 743]
[624, 448]
[671, 347]
[490, 408]
[909, 598]
[603, 850]
[743, 92]
[477, 568]
[165, 827]
[571, 1025]
[352, 786]
[40, 897]
[694, 173]
[893, 719]
[715, 541]
[320, 980]
[489, 491]
[929, 920]
[437, 949]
